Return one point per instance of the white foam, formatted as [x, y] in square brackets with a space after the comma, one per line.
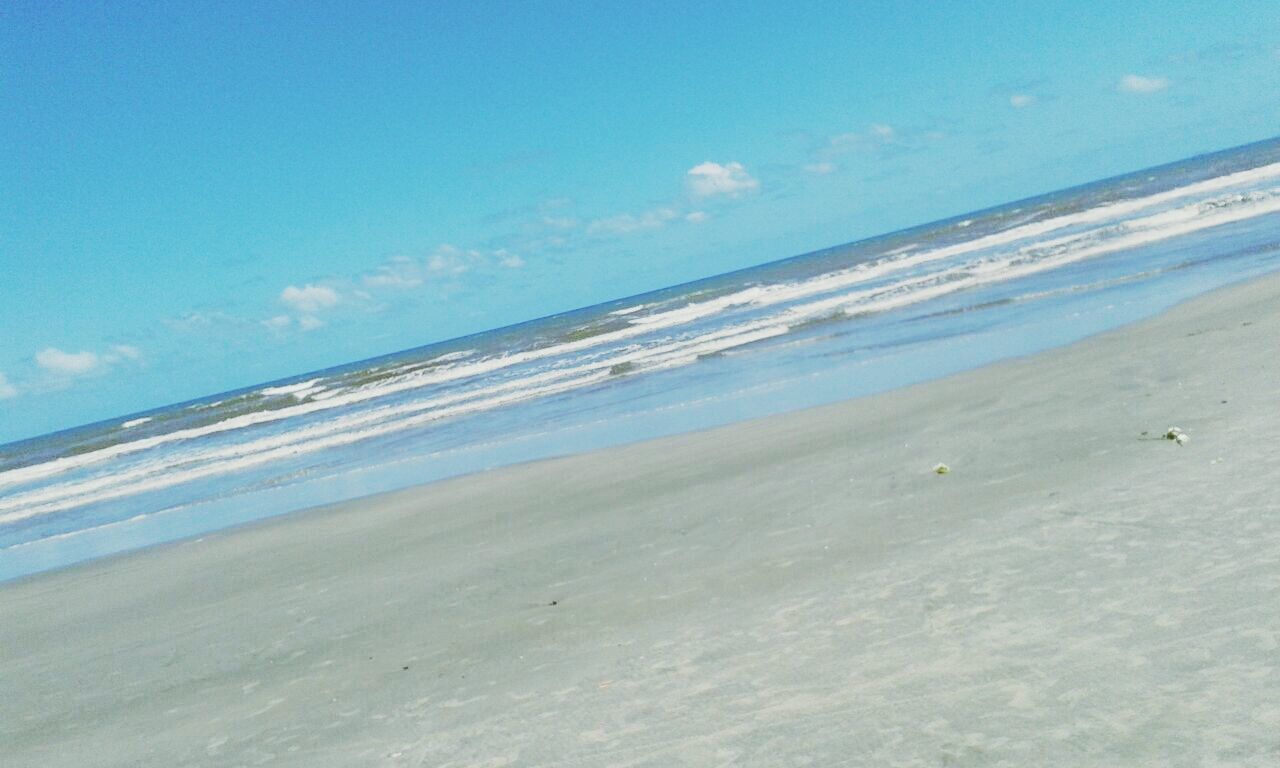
[56, 497]
[303, 394]
[1051, 255]
[289, 389]
[1139, 231]
[1027, 260]
[166, 480]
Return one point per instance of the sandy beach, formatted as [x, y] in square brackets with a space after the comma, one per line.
[797, 590]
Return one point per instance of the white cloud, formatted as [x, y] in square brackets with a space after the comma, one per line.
[62, 363]
[281, 323]
[1021, 100]
[406, 272]
[1142, 84]
[709, 179]
[7, 390]
[451, 260]
[385, 278]
[820, 169]
[508, 259]
[309, 298]
[883, 132]
[627, 223]
[850, 140]
[876, 135]
[199, 321]
[696, 217]
[560, 222]
[399, 272]
[70, 364]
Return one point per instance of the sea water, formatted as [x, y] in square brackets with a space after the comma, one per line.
[847, 321]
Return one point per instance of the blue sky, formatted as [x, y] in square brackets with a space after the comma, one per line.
[200, 197]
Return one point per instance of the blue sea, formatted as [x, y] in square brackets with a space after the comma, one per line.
[839, 323]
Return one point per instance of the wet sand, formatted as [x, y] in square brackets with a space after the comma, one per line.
[797, 590]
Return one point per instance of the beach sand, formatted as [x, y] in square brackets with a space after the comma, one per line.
[797, 590]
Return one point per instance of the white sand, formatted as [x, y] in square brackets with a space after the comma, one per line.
[801, 590]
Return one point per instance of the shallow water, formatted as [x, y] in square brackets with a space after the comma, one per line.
[848, 321]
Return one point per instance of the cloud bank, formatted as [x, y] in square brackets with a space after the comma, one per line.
[56, 361]
[627, 223]
[712, 179]
[71, 364]
[1142, 84]
[309, 298]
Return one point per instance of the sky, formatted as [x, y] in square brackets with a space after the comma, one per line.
[197, 197]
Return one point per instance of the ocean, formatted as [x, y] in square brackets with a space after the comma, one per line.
[843, 322]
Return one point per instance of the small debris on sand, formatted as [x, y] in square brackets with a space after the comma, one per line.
[941, 468]
[1177, 435]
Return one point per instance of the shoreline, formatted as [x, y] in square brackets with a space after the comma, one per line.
[334, 506]
[723, 595]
